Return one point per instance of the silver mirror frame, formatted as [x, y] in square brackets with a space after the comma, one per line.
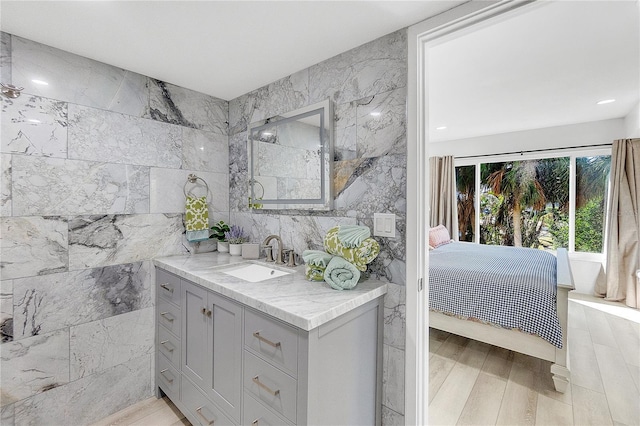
[325, 202]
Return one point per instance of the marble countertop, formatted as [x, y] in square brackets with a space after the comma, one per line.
[291, 298]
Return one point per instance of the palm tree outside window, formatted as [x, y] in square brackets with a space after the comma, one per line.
[528, 204]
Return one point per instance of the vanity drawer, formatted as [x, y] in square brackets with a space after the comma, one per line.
[168, 378]
[202, 411]
[256, 414]
[169, 316]
[168, 286]
[272, 340]
[270, 386]
[169, 346]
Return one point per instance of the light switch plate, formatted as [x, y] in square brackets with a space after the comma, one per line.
[384, 225]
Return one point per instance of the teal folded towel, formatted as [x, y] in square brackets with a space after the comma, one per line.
[352, 236]
[341, 275]
[316, 257]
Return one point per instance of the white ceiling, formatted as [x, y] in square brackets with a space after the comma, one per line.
[222, 48]
[546, 66]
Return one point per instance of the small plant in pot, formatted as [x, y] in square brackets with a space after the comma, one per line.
[236, 236]
[218, 232]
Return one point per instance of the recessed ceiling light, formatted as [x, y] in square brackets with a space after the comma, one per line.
[605, 101]
[375, 114]
[441, 128]
[267, 134]
[40, 82]
[33, 120]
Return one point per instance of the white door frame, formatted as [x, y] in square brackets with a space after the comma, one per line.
[417, 259]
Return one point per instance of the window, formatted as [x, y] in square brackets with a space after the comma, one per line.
[466, 194]
[542, 203]
[592, 178]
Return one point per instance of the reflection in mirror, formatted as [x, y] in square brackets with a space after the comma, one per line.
[290, 160]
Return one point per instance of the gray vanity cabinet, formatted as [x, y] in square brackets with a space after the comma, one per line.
[212, 346]
[224, 363]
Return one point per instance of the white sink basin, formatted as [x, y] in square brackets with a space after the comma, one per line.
[255, 273]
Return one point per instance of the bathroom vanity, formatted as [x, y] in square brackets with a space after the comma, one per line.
[278, 351]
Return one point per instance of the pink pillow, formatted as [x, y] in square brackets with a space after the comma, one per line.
[439, 236]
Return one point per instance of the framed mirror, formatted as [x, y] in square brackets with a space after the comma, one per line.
[290, 160]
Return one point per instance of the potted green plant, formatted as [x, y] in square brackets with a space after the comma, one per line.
[217, 231]
[235, 236]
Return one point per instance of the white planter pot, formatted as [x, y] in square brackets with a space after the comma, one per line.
[223, 247]
[235, 249]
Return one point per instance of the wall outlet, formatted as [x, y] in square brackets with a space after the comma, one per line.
[384, 225]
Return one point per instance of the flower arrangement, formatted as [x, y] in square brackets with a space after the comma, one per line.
[218, 231]
[236, 235]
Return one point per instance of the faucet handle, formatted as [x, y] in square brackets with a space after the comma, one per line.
[291, 260]
[268, 250]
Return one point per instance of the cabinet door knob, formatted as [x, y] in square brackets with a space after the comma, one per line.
[203, 310]
[199, 411]
[209, 313]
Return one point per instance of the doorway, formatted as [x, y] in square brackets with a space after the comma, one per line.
[465, 19]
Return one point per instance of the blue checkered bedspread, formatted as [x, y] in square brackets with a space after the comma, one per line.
[505, 286]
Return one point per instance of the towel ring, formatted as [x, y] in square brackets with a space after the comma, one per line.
[254, 181]
[193, 179]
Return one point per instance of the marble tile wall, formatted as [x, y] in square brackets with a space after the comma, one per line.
[91, 191]
[92, 171]
[369, 171]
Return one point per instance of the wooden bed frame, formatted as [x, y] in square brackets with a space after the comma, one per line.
[517, 341]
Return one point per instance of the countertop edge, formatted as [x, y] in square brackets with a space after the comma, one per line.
[306, 324]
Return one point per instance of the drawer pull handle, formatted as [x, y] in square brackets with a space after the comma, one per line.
[199, 411]
[166, 287]
[165, 376]
[255, 422]
[167, 316]
[164, 342]
[257, 335]
[257, 381]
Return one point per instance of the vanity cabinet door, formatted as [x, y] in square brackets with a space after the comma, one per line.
[226, 354]
[195, 335]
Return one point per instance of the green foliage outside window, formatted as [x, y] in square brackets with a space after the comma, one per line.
[526, 203]
[589, 224]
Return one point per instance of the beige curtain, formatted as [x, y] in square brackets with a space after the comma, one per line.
[444, 208]
[623, 231]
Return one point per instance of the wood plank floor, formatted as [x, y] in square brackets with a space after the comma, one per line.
[150, 412]
[471, 383]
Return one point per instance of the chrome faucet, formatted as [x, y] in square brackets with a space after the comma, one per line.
[279, 255]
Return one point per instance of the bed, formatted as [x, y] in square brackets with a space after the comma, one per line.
[514, 298]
